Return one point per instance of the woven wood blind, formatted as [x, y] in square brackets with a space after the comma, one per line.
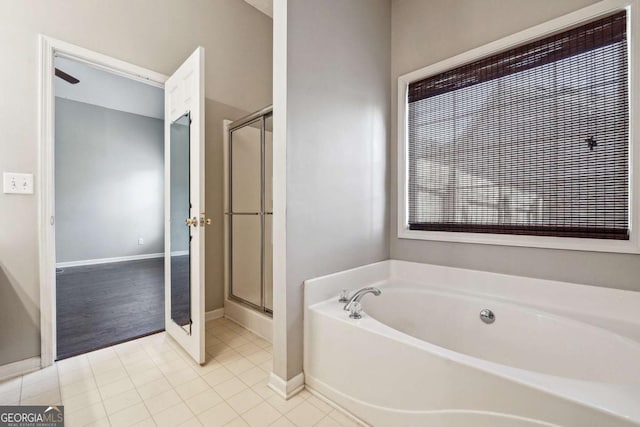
[534, 140]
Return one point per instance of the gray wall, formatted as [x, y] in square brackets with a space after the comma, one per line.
[109, 182]
[338, 119]
[156, 34]
[19, 319]
[427, 32]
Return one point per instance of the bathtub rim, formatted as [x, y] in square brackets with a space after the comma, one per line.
[613, 309]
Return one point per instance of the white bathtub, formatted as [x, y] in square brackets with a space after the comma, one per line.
[557, 354]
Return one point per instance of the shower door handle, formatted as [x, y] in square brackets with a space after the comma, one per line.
[242, 213]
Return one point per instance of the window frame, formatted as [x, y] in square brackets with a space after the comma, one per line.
[560, 24]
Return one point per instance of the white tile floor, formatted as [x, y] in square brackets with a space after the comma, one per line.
[151, 382]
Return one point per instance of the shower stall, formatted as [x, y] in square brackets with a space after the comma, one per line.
[249, 211]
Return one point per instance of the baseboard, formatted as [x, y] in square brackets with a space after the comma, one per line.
[214, 314]
[20, 367]
[289, 388]
[110, 260]
[256, 322]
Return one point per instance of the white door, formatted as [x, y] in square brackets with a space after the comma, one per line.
[184, 206]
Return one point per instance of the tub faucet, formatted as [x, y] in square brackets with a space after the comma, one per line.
[360, 293]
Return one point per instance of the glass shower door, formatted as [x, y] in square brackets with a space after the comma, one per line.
[267, 247]
[246, 213]
[250, 213]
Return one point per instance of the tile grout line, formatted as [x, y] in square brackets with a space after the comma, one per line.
[59, 382]
[173, 388]
[265, 400]
[334, 406]
[20, 396]
[224, 400]
[165, 377]
[188, 361]
[95, 380]
[237, 376]
[162, 351]
[212, 388]
[135, 388]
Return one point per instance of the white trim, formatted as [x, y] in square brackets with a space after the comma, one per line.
[108, 260]
[253, 320]
[225, 203]
[555, 25]
[214, 314]
[46, 211]
[48, 49]
[280, 312]
[18, 368]
[286, 389]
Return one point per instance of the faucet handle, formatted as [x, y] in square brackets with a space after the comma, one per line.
[355, 310]
[344, 296]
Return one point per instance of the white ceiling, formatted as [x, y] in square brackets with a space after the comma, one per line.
[108, 90]
[264, 6]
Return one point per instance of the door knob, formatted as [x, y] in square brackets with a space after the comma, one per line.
[191, 221]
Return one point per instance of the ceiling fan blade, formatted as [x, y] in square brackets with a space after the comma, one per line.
[66, 77]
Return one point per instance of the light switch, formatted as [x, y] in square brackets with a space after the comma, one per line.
[17, 183]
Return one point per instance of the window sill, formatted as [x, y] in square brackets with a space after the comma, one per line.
[569, 243]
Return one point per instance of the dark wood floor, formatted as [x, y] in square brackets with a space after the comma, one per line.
[101, 305]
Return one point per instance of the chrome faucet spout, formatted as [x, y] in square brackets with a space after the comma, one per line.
[360, 293]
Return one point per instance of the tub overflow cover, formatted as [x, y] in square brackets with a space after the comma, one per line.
[487, 316]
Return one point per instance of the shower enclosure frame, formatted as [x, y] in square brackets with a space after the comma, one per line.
[258, 117]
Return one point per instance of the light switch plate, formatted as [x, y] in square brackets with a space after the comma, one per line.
[17, 183]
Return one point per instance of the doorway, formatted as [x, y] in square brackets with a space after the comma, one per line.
[183, 95]
[109, 202]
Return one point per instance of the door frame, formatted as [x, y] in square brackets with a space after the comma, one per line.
[49, 48]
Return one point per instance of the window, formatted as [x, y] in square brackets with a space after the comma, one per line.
[530, 141]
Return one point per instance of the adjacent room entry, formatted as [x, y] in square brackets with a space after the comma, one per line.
[109, 201]
[123, 199]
